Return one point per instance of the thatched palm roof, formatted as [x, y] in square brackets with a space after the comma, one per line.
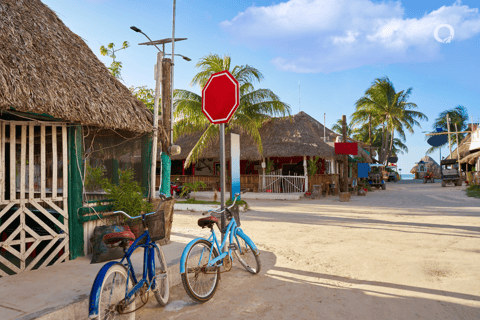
[46, 68]
[281, 137]
[464, 148]
[471, 158]
[432, 166]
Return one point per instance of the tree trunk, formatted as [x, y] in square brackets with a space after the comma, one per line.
[391, 145]
[370, 134]
[384, 141]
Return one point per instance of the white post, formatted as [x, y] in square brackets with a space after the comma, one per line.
[158, 81]
[263, 170]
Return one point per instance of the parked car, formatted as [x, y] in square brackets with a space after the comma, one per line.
[450, 172]
[376, 176]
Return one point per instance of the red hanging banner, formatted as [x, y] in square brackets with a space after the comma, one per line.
[350, 148]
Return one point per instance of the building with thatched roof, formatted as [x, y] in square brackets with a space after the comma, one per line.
[426, 164]
[60, 109]
[463, 149]
[290, 137]
[287, 144]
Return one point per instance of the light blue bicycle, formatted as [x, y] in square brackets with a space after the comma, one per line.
[202, 258]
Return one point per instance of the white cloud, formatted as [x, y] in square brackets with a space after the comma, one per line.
[331, 35]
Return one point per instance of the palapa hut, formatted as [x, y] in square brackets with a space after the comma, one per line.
[60, 108]
[463, 149]
[426, 164]
[287, 144]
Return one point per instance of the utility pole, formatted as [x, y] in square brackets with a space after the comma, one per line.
[167, 120]
[158, 80]
[345, 157]
[458, 142]
[449, 142]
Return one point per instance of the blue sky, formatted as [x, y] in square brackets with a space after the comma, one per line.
[334, 48]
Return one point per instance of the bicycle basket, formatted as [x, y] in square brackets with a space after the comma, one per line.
[235, 213]
[155, 223]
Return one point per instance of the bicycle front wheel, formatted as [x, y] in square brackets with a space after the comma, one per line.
[161, 286]
[199, 280]
[112, 303]
[246, 256]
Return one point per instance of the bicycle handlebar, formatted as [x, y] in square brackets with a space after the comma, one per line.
[133, 218]
[162, 196]
[219, 210]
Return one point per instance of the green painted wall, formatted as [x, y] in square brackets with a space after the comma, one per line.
[75, 191]
[146, 163]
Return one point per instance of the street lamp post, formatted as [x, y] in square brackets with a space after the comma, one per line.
[158, 78]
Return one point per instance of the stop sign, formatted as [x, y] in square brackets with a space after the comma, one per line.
[220, 97]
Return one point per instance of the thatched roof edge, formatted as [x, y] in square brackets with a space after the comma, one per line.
[46, 68]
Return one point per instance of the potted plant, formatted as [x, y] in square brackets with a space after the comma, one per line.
[127, 196]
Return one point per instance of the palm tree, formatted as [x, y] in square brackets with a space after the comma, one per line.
[383, 107]
[458, 116]
[256, 106]
[338, 128]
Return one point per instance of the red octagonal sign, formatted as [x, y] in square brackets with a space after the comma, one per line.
[220, 97]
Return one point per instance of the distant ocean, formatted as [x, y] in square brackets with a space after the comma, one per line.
[408, 176]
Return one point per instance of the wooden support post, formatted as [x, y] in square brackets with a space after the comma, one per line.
[54, 162]
[31, 162]
[345, 157]
[458, 143]
[449, 140]
[158, 79]
[13, 144]
[43, 184]
[305, 172]
[74, 165]
[23, 163]
[167, 123]
[2, 163]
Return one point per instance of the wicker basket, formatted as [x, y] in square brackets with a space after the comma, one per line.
[155, 223]
[235, 214]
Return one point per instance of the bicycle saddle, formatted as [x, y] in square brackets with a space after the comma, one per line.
[113, 237]
[208, 222]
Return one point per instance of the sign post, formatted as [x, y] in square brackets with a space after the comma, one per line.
[220, 100]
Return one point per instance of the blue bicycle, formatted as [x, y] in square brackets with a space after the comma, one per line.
[202, 258]
[116, 288]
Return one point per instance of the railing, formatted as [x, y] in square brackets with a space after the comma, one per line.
[278, 183]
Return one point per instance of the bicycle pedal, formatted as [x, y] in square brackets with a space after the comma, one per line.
[233, 246]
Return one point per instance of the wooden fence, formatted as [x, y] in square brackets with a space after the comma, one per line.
[249, 181]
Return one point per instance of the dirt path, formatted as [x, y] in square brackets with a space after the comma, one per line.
[410, 252]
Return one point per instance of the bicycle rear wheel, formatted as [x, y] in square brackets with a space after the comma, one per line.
[246, 256]
[161, 287]
[111, 303]
[200, 282]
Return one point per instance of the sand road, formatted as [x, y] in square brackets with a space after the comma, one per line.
[409, 252]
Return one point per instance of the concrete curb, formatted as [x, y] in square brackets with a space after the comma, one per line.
[79, 309]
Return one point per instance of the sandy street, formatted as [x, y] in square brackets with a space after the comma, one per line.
[410, 252]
